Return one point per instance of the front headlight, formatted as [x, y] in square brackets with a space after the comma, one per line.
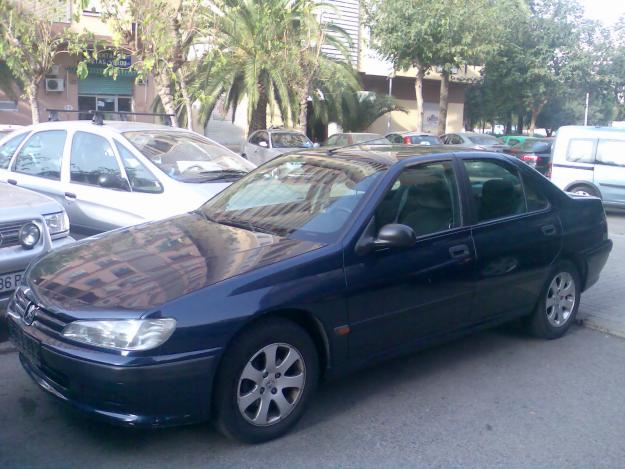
[29, 235]
[124, 334]
[57, 223]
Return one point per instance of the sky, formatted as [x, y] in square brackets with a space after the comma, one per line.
[606, 11]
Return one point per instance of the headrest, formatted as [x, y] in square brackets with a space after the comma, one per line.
[497, 188]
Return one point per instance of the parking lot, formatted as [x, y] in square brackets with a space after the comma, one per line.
[496, 399]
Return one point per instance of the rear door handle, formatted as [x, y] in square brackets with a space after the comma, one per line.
[12, 181]
[70, 195]
[548, 230]
[460, 251]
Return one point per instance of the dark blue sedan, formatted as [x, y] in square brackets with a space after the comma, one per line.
[313, 265]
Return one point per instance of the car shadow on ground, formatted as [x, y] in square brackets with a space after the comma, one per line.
[387, 380]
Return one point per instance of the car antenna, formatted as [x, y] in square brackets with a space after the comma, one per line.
[332, 151]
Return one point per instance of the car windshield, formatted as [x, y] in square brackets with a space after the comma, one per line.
[300, 197]
[539, 146]
[188, 157]
[290, 140]
[425, 140]
[484, 140]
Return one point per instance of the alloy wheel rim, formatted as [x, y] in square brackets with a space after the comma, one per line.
[271, 384]
[561, 298]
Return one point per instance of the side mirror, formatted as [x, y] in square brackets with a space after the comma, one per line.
[263, 144]
[113, 181]
[395, 235]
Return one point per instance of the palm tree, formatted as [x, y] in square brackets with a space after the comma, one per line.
[361, 112]
[270, 53]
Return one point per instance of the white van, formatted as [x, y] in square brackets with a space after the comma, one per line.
[591, 161]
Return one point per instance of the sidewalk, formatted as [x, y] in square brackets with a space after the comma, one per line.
[602, 306]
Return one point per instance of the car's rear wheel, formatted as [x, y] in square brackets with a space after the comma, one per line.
[584, 189]
[265, 381]
[559, 302]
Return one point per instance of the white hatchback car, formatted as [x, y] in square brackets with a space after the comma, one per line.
[265, 145]
[119, 173]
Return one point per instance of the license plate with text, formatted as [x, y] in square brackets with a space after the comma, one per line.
[10, 281]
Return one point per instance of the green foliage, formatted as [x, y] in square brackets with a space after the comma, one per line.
[361, 112]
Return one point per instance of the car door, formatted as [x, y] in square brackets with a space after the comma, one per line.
[96, 197]
[610, 170]
[398, 296]
[517, 236]
[259, 146]
[38, 163]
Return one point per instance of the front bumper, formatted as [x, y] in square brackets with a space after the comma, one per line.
[140, 391]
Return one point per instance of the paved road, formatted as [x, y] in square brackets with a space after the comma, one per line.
[496, 399]
[616, 222]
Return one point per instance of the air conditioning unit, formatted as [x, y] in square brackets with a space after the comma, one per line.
[55, 84]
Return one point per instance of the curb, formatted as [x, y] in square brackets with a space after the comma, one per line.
[595, 326]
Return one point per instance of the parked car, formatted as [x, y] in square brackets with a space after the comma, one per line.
[353, 138]
[414, 138]
[120, 173]
[264, 145]
[6, 129]
[31, 225]
[536, 152]
[591, 161]
[513, 140]
[475, 141]
[313, 265]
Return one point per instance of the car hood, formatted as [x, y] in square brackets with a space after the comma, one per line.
[207, 190]
[146, 266]
[16, 202]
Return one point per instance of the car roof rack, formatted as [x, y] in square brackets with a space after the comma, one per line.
[98, 116]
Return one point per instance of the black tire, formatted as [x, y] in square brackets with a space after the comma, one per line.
[541, 322]
[229, 419]
[583, 189]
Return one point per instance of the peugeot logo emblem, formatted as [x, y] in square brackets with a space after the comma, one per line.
[30, 314]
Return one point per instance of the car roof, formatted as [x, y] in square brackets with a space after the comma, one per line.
[107, 126]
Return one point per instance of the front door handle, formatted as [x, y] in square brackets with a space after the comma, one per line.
[70, 195]
[548, 230]
[460, 251]
[12, 181]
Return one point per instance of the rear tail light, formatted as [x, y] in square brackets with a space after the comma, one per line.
[548, 173]
[407, 140]
[530, 159]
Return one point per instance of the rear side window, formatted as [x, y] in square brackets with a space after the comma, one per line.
[92, 157]
[580, 150]
[611, 152]
[8, 149]
[42, 154]
[536, 200]
[141, 180]
[497, 190]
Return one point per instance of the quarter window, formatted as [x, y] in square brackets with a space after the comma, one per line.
[535, 199]
[42, 154]
[91, 158]
[424, 198]
[141, 180]
[580, 150]
[497, 190]
[611, 152]
[8, 149]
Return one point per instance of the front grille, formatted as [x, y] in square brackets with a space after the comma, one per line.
[10, 231]
[46, 321]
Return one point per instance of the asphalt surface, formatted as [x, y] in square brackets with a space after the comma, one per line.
[495, 399]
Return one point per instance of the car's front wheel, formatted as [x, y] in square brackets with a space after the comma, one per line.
[265, 381]
[559, 302]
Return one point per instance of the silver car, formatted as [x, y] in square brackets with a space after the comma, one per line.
[474, 141]
[30, 225]
[119, 173]
[265, 145]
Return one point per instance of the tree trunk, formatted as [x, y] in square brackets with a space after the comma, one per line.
[509, 124]
[259, 114]
[163, 88]
[443, 103]
[519, 125]
[188, 105]
[535, 113]
[32, 92]
[418, 87]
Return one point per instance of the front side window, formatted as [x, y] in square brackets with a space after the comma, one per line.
[534, 196]
[141, 180]
[611, 152]
[42, 155]
[303, 197]
[424, 197]
[92, 157]
[8, 149]
[581, 150]
[290, 140]
[188, 157]
[395, 138]
[497, 190]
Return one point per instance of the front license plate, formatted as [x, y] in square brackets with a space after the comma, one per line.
[9, 282]
[27, 345]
